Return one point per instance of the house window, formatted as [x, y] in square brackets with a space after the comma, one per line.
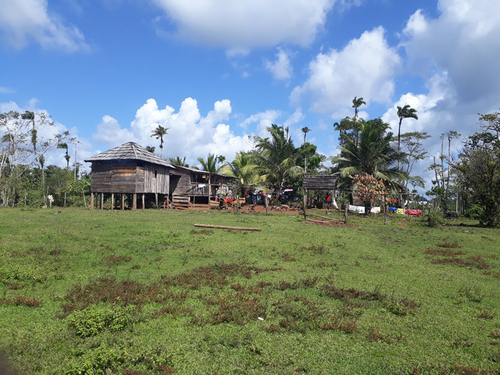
[156, 174]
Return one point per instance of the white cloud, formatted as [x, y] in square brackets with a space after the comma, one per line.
[366, 68]
[262, 120]
[6, 90]
[22, 21]
[464, 42]
[281, 69]
[189, 134]
[245, 24]
[457, 53]
[109, 129]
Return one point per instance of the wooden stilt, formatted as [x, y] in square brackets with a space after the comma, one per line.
[123, 202]
[144, 201]
[91, 200]
[112, 201]
[134, 201]
[102, 201]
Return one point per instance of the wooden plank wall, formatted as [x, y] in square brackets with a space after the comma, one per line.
[317, 182]
[158, 184]
[183, 183]
[127, 177]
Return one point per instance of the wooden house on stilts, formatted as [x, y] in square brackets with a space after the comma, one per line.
[129, 172]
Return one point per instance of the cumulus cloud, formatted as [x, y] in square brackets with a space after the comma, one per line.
[22, 21]
[281, 68]
[366, 68]
[245, 24]
[109, 128]
[189, 135]
[464, 42]
[261, 121]
[457, 54]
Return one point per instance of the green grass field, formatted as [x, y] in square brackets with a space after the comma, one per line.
[140, 292]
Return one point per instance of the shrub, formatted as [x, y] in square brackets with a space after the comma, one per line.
[434, 218]
[90, 322]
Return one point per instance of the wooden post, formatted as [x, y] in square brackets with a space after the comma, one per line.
[102, 201]
[209, 186]
[346, 213]
[91, 200]
[112, 201]
[304, 203]
[123, 202]
[385, 211]
[144, 200]
[134, 201]
[156, 200]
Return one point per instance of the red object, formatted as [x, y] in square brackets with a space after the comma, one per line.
[401, 224]
[416, 213]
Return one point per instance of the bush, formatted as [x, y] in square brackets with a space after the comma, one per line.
[474, 212]
[434, 218]
[90, 322]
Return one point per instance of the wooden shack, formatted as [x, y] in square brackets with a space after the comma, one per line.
[194, 187]
[130, 171]
[127, 171]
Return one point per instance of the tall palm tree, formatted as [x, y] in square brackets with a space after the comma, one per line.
[404, 112]
[356, 103]
[243, 170]
[159, 132]
[305, 130]
[64, 146]
[276, 156]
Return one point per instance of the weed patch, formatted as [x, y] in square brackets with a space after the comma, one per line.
[339, 293]
[444, 252]
[449, 245]
[470, 262]
[375, 335]
[92, 321]
[21, 301]
[117, 259]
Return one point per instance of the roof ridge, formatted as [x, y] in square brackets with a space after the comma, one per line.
[133, 149]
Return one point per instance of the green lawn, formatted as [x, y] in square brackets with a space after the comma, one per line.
[139, 292]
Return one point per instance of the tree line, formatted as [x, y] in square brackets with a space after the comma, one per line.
[371, 160]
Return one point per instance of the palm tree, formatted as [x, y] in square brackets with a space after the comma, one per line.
[159, 132]
[64, 146]
[356, 103]
[404, 112]
[373, 154]
[305, 130]
[178, 161]
[210, 164]
[276, 156]
[243, 170]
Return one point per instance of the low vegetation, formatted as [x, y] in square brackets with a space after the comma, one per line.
[143, 292]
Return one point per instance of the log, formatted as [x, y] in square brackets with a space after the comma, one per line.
[225, 227]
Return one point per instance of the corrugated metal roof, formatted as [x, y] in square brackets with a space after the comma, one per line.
[129, 151]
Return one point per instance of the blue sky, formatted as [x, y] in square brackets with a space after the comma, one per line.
[217, 71]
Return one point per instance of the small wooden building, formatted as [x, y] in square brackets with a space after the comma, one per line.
[199, 186]
[129, 170]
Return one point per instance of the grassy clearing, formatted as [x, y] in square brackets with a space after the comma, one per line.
[146, 292]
